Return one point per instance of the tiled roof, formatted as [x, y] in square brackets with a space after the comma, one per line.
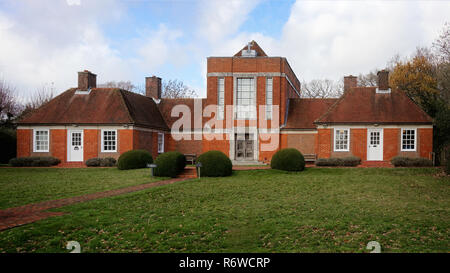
[100, 106]
[303, 112]
[364, 105]
[166, 106]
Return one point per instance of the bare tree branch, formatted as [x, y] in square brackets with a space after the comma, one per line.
[322, 89]
[176, 89]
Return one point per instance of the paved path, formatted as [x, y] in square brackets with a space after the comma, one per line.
[13, 217]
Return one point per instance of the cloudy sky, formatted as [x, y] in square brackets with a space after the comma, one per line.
[46, 42]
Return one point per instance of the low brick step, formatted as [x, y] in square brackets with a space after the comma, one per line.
[71, 165]
[189, 172]
[379, 164]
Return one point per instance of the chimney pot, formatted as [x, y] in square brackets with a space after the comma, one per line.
[86, 80]
[153, 87]
[350, 82]
[383, 79]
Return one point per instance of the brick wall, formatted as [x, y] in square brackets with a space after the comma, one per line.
[391, 143]
[91, 143]
[358, 143]
[425, 142]
[24, 142]
[305, 143]
[58, 144]
[324, 143]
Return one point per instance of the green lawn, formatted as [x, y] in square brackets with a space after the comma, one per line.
[21, 186]
[318, 210]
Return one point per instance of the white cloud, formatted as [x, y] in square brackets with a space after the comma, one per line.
[329, 39]
[42, 51]
[221, 19]
[73, 2]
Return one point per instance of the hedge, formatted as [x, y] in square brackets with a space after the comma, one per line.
[101, 162]
[134, 159]
[401, 161]
[170, 164]
[215, 163]
[288, 159]
[349, 161]
[34, 161]
[8, 144]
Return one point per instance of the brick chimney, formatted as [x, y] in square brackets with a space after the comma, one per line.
[86, 80]
[383, 79]
[153, 87]
[349, 82]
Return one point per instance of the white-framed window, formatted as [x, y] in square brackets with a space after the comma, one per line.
[269, 97]
[409, 139]
[341, 139]
[160, 142]
[41, 139]
[109, 141]
[245, 98]
[220, 98]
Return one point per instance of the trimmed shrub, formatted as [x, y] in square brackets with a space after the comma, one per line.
[101, 162]
[8, 144]
[34, 161]
[215, 163]
[288, 159]
[134, 159]
[349, 161]
[170, 164]
[401, 161]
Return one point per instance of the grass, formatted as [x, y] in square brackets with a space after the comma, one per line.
[21, 186]
[318, 210]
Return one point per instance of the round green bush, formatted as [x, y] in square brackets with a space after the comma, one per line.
[134, 159]
[170, 164]
[288, 160]
[215, 163]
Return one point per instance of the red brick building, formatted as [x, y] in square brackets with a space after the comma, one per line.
[252, 109]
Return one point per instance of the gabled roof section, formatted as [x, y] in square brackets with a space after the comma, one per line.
[364, 106]
[100, 106]
[253, 46]
[303, 112]
[166, 105]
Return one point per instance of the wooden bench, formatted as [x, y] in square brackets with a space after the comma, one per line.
[310, 157]
[191, 158]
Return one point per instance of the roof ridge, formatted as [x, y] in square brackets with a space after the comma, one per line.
[125, 104]
[333, 106]
[45, 104]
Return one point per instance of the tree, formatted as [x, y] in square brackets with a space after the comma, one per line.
[40, 97]
[322, 89]
[417, 78]
[9, 106]
[176, 89]
[125, 85]
[368, 80]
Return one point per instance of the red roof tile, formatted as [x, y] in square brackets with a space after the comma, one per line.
[166, 106]
[100, 106]
[363, 105]
[303, 112]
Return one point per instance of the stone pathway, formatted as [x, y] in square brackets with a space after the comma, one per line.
[17, 216]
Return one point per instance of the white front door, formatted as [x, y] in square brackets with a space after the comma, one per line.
[75, 145]
[375, 144]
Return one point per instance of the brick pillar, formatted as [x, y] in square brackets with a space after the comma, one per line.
[86, 80]
[153, 87]
[349, 82]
